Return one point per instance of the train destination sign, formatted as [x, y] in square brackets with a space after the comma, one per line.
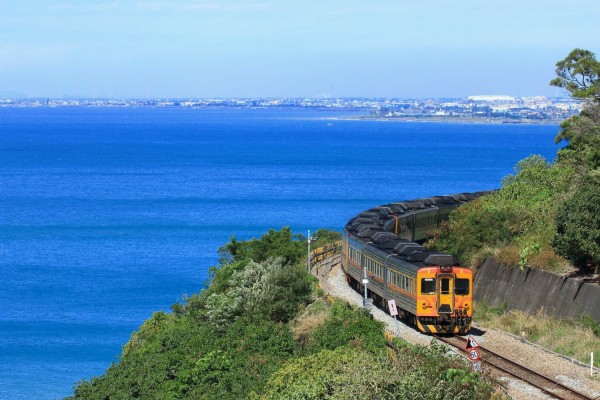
[392, 307]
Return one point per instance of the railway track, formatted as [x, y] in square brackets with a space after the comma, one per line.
[332, 282]
[546, 384]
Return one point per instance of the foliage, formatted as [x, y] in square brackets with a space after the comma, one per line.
[177, 358]
[517, 214]
[579, 73]
[237, 340]
[348, 326]
[577, 235]
[270, 289]
[484, 312]
[323, 236]
[582, 134]
[345, 373]
[282, 243]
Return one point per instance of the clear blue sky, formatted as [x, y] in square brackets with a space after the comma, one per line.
[247, 48]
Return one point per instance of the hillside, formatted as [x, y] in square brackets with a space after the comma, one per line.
[262, 330]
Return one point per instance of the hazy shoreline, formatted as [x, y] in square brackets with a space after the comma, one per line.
[459, 120]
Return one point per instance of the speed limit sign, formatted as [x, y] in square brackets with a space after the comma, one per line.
[474, 354]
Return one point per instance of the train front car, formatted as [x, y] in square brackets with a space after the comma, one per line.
[430, 291]
[444, 298]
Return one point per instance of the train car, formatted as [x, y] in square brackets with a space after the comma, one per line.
[430, 290]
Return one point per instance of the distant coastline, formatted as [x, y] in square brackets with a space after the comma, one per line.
[452, 119]
[474, 109]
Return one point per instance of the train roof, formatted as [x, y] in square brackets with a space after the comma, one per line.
[368, 229]
[409, 255]
[378, 216]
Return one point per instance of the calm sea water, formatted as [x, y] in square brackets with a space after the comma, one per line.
[107, 215]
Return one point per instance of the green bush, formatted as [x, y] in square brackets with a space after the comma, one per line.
[348, 326]
[282, 243]
[577, 235]
[270, 288]
[347, 373]
[519, 213]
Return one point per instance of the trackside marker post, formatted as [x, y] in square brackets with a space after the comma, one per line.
[474, 353]
[394, 313]
[365, 282]
[592, 363]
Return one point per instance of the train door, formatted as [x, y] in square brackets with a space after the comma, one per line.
[445, 294]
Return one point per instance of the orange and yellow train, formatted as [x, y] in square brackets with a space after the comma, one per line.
[429, 288]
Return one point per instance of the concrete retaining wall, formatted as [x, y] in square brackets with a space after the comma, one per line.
[532, 289]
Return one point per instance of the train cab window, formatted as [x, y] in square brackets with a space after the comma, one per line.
[445, 283]
[462, 287]
[427, 286]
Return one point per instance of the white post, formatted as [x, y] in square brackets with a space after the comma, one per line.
[308, 256]
[365, 281]
[592, 363]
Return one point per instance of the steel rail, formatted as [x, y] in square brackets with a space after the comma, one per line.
[521, 372]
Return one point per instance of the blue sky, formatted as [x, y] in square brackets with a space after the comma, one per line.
[418, 48]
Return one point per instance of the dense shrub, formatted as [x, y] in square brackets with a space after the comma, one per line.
[348, 326]
[270, 288]
[345, 373]
[282, 243]
[518, 214]
[577, 235]
[582, 134]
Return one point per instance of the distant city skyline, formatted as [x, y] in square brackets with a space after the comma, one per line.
[268, 49]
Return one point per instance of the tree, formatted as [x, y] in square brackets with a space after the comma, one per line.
[577, 236]
[579, 73]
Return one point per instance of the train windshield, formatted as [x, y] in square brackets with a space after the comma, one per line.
[462, 287]
[427, 286]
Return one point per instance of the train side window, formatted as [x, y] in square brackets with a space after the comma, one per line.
[427, 286]
[462, 287]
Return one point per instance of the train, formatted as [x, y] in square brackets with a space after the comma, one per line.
[382, 245]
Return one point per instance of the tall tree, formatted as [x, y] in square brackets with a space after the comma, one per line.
[579, 73]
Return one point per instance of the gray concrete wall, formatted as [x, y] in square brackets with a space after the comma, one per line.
[532, 289]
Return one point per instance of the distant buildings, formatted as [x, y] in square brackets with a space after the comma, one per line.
[481, 107]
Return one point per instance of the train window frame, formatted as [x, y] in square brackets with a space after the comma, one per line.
[423, 286]
[456, 287]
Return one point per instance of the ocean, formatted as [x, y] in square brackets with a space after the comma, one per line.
[110, 214]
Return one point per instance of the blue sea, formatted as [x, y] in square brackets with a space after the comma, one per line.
[110, 214]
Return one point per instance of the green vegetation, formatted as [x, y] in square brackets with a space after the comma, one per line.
[515, 223]
[545, 215]
[346, 373]
[572, 338]
[579, 73]
[259, 331]
[577, 235]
